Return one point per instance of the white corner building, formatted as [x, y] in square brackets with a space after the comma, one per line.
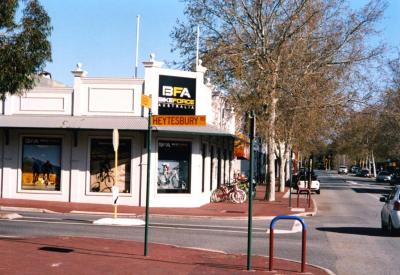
[56, 141]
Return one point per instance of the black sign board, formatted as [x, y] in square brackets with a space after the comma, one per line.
[176, 95]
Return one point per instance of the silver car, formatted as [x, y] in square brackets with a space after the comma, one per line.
[390, 214]
[384, 176]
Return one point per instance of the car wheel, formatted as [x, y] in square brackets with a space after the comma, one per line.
[390, 228]
[383, 225]
[318, 191]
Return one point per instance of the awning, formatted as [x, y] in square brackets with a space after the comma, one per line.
[102, 123]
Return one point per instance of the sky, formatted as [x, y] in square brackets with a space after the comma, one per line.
[101, 34]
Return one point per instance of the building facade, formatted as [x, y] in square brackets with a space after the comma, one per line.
[56, 141]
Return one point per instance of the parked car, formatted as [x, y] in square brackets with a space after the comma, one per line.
[384, 176]
[303, 179]
[363, 173]
[390, 214]
[342, 170]
[395, 179]
[354, 169]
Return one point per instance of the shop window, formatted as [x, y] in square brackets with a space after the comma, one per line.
[173, 167]
[102, 166]
[41, 163]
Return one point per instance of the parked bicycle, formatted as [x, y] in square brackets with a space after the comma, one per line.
[229, 192]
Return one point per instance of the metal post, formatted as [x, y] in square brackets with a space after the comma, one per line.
[271, 249]
[146, 228]
[290, 180]
[250, 218]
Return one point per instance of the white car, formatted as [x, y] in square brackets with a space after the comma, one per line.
[390, 214]
[315, 186]
[343, 170]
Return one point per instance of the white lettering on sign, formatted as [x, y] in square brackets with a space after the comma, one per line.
[175, 91]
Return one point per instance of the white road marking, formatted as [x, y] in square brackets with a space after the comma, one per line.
[352, 182]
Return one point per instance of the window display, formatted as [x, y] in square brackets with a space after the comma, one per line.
[102, 166]
[173, 167]
[41, 163]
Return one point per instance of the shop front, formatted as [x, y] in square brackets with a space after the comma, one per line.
[56, 141]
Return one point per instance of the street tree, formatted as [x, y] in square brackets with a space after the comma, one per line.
[258, 51]
[24, 44]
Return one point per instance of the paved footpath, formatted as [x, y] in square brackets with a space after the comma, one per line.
[81, 255]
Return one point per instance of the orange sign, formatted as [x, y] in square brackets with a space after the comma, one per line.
[178, 120]
[241, 147]
[146, 101]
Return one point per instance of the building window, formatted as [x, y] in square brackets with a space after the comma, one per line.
[173, 167]
[102, 166]
[41, 163]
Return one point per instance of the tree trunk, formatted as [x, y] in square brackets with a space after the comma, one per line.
[287, 157]
[282, 165]
[373, 164]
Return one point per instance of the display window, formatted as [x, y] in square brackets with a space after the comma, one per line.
[102, 166]
[41, 163]
[173, 167]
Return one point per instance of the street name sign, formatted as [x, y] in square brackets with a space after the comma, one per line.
[161, 120]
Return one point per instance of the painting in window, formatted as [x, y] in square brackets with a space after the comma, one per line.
[41, 163]
[173, 167]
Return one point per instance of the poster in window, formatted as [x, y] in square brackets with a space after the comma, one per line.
[173, 167]
[102, 166]
[176, 95]
[41, 163]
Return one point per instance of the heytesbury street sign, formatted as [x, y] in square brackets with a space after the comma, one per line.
[159, 120]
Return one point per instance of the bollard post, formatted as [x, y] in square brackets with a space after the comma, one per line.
[303, 241]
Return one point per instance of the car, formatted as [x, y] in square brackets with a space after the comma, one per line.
[342, 170]
[363, 173]
[303, 179]
[395, 178]
[390, 213]
[354, 169]
[384, 176]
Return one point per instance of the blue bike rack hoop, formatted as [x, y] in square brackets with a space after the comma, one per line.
[283, 217]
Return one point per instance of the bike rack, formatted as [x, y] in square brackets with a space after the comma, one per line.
[304, 191]
[303, 240]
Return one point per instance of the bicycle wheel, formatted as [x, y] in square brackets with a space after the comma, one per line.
[108, 183]
[217, 195]
[238, 196]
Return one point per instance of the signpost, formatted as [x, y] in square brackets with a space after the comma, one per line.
[146, 102]
[115, 190]
[252, 117]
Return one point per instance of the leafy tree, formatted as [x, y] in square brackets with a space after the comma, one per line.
[266, 52]
[24, 45]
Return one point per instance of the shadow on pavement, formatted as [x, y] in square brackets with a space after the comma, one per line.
[373, 191]
[364, 231]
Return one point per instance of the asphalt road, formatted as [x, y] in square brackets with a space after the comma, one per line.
[345, 235]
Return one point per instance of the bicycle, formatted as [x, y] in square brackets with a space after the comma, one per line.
[104, 182]
[225, 192]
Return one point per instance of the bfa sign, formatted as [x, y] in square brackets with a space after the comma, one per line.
[176, 95]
